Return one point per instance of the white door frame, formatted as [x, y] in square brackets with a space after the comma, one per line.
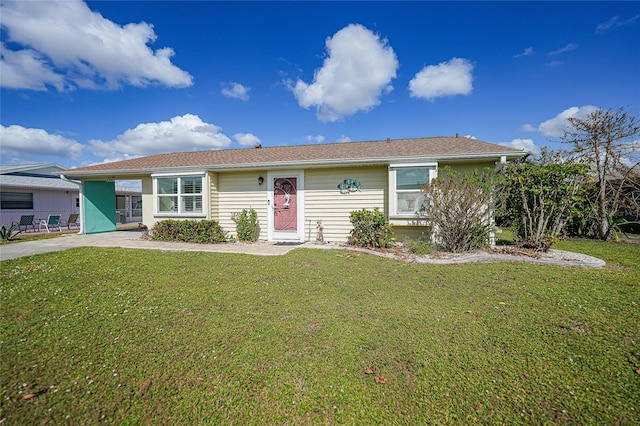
[273, 235]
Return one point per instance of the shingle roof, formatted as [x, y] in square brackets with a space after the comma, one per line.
[343, 153]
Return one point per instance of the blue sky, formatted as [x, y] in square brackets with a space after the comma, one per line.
[88, 82]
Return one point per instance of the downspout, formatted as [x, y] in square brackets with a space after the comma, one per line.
[80, 198]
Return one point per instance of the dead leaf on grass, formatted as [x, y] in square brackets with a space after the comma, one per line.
[380, 379]
[371, 370]
[32, 395]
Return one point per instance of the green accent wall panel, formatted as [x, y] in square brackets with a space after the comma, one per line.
[99, 206]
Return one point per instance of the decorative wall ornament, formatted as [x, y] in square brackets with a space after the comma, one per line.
[349, 185]
[319, 231]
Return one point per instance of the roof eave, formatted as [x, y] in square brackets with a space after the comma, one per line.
[342, 162]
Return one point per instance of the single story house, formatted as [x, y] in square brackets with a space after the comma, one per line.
[290, 187]
[37, 189]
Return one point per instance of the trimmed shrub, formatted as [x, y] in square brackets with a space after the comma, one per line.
[459, 209]
[189, 231]
[247, 228]
[371, 229]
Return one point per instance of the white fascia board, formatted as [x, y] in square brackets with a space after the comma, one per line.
[293, 164]
[180, 173]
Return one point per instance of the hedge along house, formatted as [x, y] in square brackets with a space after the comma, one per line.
[290, 187]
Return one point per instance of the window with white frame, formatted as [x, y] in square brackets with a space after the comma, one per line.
[180, 195]
[407, 188]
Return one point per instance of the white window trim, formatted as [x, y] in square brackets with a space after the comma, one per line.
[393, 198]
[205, 186]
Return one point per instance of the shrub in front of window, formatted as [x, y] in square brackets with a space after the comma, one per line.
[189, 231]
[459, 209]
[246, 225]
[370, 229]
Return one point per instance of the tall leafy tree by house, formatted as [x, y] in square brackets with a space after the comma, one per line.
[539, 196]
[608, 141]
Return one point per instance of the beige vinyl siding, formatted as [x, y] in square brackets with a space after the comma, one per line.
[214, 197]
[403, 233]
[324, 201]
[465, 167]
[238, 191]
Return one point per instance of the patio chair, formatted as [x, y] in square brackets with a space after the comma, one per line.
[72, 221]
[26, 221]
[53, 221]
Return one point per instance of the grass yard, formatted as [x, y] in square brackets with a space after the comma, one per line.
[91, 336]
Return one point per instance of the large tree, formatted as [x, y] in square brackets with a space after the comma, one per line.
[539, 196]
[608, 141]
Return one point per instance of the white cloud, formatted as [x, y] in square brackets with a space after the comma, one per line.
[445, 79]
[528, 51]
[358, 69]
[27, 69]
[554, 64]
[246, 139]
[236, 90]
[181, 133]
[568, 48]
[555, 127]
[615, 22]
[344, 138]
[315, 139]
[18, 140]
[68, 45]
[114, 156]
[525, 144]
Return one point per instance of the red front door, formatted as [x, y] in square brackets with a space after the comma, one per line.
[285, 206]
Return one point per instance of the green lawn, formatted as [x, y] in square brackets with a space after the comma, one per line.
[145, 337]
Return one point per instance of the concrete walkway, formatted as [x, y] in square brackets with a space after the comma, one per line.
[132, 239]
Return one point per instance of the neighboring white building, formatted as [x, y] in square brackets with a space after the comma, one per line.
[38, 189]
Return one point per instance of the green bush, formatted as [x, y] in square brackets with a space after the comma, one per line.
[247, 228]
[8, 234]
[420, 246]
[370, 229]
[459, 209]
[189, 231]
